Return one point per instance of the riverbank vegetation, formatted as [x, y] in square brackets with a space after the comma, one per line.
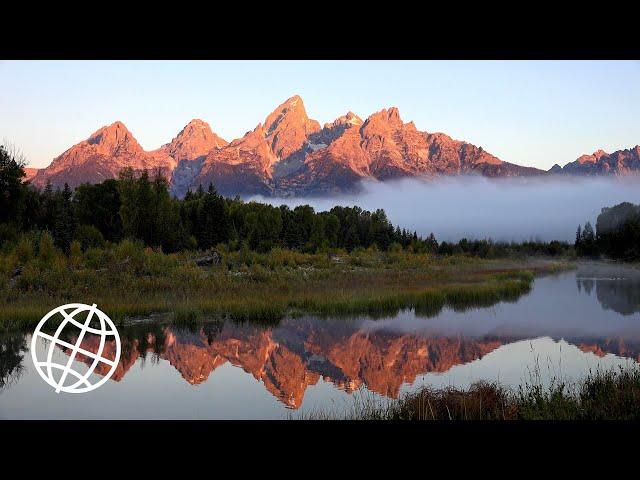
[128, 279]
[601, 395]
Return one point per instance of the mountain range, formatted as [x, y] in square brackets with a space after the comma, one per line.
[292, 155]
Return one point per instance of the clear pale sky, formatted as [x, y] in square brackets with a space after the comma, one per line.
[530, 113]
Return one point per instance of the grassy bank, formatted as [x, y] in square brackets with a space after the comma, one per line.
[128, 280]
[603, 395]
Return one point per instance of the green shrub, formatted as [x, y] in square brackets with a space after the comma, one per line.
[75, 254]
[23, 252]
[89, 237]
[187, 274]
[129, 255]
[47, 251]
[98, 258]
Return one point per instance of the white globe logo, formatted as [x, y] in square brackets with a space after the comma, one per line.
[49, 370]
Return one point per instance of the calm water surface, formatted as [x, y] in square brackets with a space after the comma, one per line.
[567, 325]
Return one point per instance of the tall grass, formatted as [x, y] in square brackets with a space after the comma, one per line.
[128, 280]
[601, 395]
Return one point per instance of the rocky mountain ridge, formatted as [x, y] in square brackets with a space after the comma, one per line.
[291, 154]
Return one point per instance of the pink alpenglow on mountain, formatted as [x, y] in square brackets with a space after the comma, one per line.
[288, 127]
[29, 173]
[194, 140]
[189, 148]
[291, 154]
[620, 162]
[102, 156]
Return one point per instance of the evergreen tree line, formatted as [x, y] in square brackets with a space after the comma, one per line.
[141, 207]
[617, 233]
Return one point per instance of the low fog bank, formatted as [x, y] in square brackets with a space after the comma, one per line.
[511, 209]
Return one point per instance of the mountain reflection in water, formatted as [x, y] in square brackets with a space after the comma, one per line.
[593, 309]
[297, 353]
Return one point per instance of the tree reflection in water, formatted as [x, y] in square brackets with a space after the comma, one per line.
[621, 296]
[12, 350]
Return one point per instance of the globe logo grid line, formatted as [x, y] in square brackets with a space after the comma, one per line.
[46, 368]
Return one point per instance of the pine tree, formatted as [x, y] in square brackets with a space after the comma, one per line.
[64, 227]
[432, 243]
[587, 240]
[213, 224]
[398, 236]
[144, 209]
[578, 242]
[128, 202]
[578, 235]
[11, 188]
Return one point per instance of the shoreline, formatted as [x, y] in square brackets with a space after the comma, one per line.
[136, 282]
[612, 394]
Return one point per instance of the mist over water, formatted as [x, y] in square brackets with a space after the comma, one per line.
[508, 209]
